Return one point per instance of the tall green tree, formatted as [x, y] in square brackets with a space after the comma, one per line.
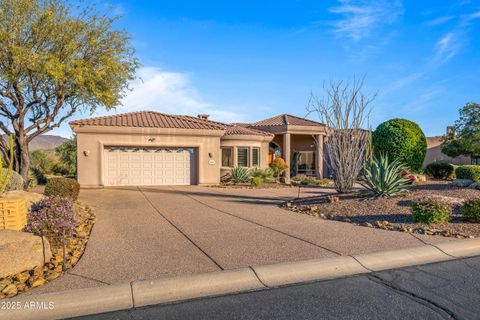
[56, 59]
[67, 153]
[464, 139]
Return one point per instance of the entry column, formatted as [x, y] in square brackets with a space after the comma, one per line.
[286, 155]
[319, 156]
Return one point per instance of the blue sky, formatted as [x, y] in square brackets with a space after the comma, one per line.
[249, 60]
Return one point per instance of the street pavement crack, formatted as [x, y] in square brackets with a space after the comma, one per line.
[180, 231]
[261, 225]
[438, 308]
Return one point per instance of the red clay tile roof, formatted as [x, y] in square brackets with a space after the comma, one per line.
[286, 119]
[240, 130]
[151, 119]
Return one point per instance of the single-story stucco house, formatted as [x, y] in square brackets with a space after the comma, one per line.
[152, 148]
[434, 152]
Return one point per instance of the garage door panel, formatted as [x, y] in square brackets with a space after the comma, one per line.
[137, 166]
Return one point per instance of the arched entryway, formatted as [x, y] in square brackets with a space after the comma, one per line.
[274, 151]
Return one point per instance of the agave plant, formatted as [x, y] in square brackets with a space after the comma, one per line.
[383, 177]
[239, 175]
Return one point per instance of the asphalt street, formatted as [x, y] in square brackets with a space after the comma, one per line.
[446, 290]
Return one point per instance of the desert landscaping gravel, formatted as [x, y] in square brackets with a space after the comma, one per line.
[394, 213]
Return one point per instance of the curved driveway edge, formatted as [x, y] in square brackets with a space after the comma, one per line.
[141, 293]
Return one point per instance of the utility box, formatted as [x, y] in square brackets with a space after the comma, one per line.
[13, 214]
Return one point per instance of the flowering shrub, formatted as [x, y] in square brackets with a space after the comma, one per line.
[410, 177]
[278, 167]
[54, 218]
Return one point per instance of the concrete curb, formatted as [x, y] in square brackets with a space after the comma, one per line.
[71, 303]
[280, 274]
[193, 286]
[102, 299]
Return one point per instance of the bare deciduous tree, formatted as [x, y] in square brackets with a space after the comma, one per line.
[345, 110]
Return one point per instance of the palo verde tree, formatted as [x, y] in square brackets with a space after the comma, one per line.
[464, 139]
[56, 59]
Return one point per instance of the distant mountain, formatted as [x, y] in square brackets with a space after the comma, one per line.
[46, 142]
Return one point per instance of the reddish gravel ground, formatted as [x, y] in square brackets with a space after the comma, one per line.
[394, 213]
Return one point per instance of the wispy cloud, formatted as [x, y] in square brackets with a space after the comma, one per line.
[473, 16]
[447, 47]
[422, 102]
[450, 43]
[171, 92]
[440, 20]
[360, 17]
[405, 81]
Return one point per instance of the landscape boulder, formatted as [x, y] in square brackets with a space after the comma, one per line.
[29, 197]
[462, 183]
[21, 251]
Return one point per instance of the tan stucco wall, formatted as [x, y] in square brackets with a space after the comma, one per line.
[302, 143]
[434, 152]
[92, 141]
[246, 141]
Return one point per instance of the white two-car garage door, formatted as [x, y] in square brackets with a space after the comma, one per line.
[137, 166]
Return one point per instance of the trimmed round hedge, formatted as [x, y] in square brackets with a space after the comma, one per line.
[401, 139]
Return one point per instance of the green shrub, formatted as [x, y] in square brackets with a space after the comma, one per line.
[32, 179]
[430, 211]
[39, 176]
[41, 161]
[265, 174]
[60, 169]
[256, 181]
[67, 153]
[440, 169]
[15, 182]
[403, 140]
[471, 210]
[310, 181]
[238, 175]
[470, 172]
[62, 187]
[278, 167]
[384, 178]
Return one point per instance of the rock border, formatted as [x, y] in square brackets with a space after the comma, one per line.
[28, 279]
[107, 298]
[384, 225]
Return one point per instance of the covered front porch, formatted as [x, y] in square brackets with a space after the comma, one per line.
[300, 142]
[303, 154]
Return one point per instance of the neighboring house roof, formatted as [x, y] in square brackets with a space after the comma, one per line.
[151, 119]
[286, 119]
[240, 130]
[434, 141]
[241, 124]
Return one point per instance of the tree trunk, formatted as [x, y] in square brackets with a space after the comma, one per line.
[22, 158]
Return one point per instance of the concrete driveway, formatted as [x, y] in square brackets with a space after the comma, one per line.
[152, 232]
